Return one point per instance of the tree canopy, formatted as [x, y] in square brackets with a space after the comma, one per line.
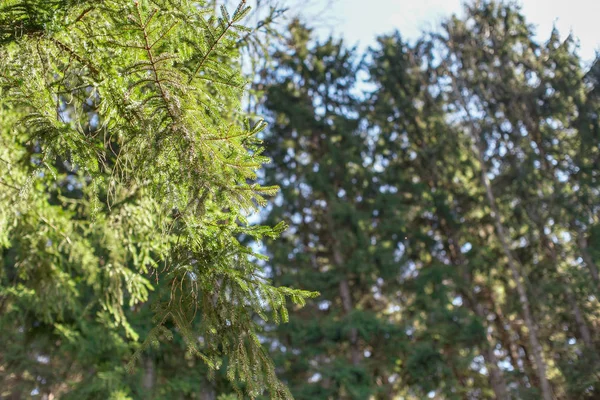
[432, 231]
[127, 161]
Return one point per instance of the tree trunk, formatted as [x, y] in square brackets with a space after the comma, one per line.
[513, 264]
[15, 393]
[149, 375]
[528, 365]
[584, 331]
[496, 377]
[207, 391]
[536, 347]
[345, 294]
[587, 259]
[505, 336]
[347, 305]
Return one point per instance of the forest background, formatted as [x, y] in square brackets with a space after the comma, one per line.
[435, 233]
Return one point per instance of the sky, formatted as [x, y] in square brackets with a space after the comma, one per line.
[359, 21]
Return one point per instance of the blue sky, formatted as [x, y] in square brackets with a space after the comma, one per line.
[359, 21]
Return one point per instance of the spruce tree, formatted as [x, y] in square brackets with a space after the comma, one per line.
[341, 345]
[128, 167]
[445, 258]
[519, 101]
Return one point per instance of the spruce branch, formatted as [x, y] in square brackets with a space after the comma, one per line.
[239, 13]
[148, 48]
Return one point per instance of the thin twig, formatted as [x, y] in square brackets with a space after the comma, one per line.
[209, 51]
[83, 14]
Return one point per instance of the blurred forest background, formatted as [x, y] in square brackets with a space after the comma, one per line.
[441, 196]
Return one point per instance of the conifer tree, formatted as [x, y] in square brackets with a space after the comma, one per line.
[128, 167]
[466, 222]
[519, 99]
[342, 344]
[428, 166]
[448, 216]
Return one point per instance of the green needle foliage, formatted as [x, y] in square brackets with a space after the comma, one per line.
[447, 211]
[448, 214]
[339, 242]
[127, 167]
